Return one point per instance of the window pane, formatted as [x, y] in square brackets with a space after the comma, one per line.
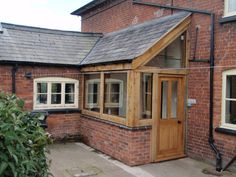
[41, 99]
[56, 99]
[232, 6]
[115, 87]
[42, 87]
[92, 89]
[56, 88]
[115, 97]
[115, 94]
[174, 99]
[146, 96]
[70, 88]
[231, 87]
[170, 57]
[230, 112]
[69, 99]
[164, 91]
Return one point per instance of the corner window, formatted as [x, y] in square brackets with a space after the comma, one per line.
[230, 8]
[115, 94]
[92, 92]
[55, 92]
[146, 96]
[229, 99]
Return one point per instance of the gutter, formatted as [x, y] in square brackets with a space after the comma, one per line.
[26, 63]
[13, 77]
[212, 61]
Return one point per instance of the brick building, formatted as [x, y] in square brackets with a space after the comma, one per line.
[145, 81]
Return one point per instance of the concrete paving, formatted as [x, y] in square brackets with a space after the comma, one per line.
[79, 160]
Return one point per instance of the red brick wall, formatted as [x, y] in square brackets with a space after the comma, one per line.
[63, 125]
[59, 125]
[5, 79]
[130, 147]
[124, 14]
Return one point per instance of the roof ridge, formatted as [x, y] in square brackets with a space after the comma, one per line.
[48, 30]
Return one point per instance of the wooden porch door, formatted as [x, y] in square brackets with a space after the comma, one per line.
[170, 128]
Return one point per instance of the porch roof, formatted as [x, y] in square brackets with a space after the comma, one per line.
[38, 45]
[128, 44]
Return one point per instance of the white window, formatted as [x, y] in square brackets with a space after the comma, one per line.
[92, 93]
[229, 99]
[113, 93]
[55, 92]
[230, 8]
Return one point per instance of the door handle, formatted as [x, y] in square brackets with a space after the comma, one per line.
[179, 122]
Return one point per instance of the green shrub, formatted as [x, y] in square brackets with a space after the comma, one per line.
[22, 141]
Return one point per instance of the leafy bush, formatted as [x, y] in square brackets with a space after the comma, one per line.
[22, 141]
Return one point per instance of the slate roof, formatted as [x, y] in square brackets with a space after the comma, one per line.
[39, 45]
[129, 43]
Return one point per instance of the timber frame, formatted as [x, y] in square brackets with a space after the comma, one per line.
[134, 70]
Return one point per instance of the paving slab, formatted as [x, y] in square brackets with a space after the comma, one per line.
[79, 160]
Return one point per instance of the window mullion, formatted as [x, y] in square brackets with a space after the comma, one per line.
[49, 93]
[63, 94]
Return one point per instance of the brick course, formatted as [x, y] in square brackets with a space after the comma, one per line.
[130, 147]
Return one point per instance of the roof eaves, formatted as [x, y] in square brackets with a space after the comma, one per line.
[87, 7]
[29, 63]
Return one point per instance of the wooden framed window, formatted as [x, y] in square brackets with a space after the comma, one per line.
[228, 118]
[230, 8]
[115, 93]
[55, 93]
[146, 96]
[172, 56]
[92, 92]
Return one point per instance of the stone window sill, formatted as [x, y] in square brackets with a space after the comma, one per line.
[226, 131]
[227, 19]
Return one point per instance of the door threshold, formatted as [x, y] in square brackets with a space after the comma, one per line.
[170, 158]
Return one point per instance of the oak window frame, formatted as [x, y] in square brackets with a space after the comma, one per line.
[101, 114]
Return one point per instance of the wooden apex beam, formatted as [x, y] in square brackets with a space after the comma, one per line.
[162, 43]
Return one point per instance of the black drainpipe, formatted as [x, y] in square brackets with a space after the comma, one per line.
[13, 77]
[211, 128]
[212, 63]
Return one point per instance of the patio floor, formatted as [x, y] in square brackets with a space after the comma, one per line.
[79, 160]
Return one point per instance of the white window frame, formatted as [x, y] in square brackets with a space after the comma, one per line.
[92, 105]
[50, 81]
[223, 111]
[226, 13]
[121, 91]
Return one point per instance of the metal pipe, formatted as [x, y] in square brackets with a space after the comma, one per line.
[195, 45]
[230, 162]
[172, 7]
[211, 128]
[13, 77]
[212, 51]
